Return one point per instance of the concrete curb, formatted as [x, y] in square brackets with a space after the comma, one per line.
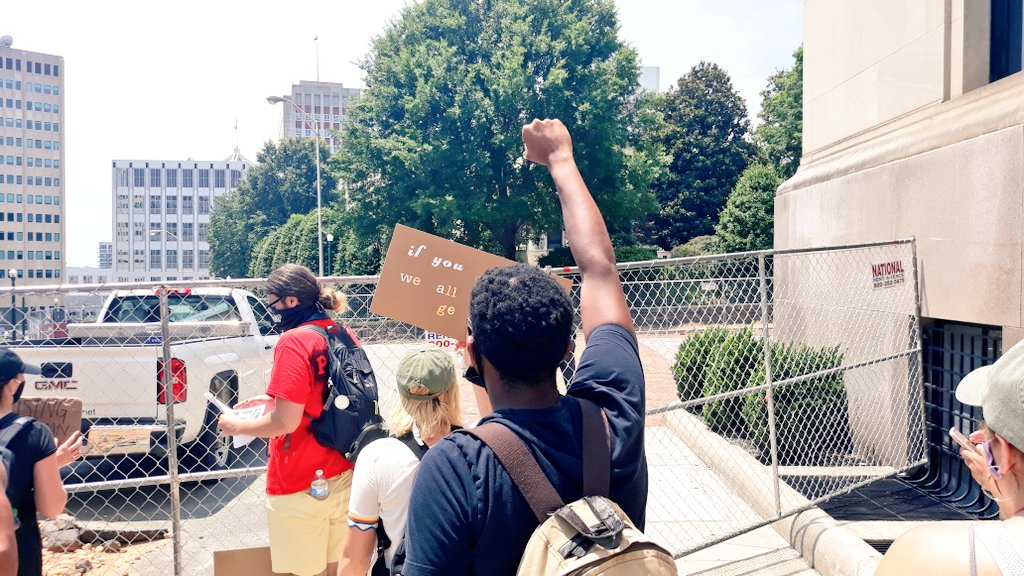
[831, 549]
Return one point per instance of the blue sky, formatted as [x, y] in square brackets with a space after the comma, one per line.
[169, 81]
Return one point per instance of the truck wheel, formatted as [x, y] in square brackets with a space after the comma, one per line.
[212, 447]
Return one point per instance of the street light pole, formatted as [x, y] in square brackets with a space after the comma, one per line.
[316, 140]
[13, 274]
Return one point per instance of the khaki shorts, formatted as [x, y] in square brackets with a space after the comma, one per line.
[307, 534]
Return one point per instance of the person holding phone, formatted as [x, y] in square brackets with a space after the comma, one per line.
[995, 458]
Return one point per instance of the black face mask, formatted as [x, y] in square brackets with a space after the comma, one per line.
[292, 317]
[17, 393]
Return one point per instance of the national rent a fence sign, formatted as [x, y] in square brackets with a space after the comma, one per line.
[887, 274]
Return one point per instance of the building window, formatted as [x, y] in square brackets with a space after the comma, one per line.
[186, 231]
[186, 204]
[186, 178]
[154, 177]
[204, 178]
[172, 230]
[172, 259]
[187, 261]
[154, 204]
[140, 177]
[154, 259]
[204, 204]
[204, 259]
[172, 178]
[1007, 38]
[236, 177]
[218, 179]
[202, 231]
[172, 204]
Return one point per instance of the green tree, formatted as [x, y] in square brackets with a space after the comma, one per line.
[434, 141]
[295, 241]
[748, 219]
[706, 139]
[282, 184]
[779, 137]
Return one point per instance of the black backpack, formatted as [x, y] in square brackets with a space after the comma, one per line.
[351, 413]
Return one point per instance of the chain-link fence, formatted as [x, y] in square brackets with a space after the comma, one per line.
[787, 378]
[774, 380]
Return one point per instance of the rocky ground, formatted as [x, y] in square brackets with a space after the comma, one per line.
[69, 550]
[95, 560]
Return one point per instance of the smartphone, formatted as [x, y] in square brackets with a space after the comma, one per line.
[961, 439]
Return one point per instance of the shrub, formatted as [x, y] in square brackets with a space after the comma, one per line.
[635, 253]
[695, 354]
[696, 246]
[735, 358]
[557, 258]
[811, 420]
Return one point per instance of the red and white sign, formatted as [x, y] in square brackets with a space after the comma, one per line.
[887, 274]
[442, 341]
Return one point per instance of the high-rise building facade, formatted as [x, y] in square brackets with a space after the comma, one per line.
[326, 102]
[32, 220]
[106, 255]
[162, 216]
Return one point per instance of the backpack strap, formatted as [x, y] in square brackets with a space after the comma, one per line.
[597, 450]
[526, 473]
[9, 432]
[520, 464]
[339, 329]
[410, 442]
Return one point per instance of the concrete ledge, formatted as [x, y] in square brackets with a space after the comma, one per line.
[831, 549]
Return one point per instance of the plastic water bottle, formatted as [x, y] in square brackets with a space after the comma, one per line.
[318, 487]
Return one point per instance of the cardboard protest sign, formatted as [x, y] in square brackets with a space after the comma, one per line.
[62, 415]
[242, 562]
[426, 281]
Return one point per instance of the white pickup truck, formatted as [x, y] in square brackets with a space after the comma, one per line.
[221, 341]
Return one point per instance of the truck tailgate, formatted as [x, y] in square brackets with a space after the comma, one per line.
[88, 373]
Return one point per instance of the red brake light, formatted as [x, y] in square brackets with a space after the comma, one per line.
[178, 379]
[179, 291]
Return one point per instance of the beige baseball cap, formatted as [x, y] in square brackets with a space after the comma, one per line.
[999, 390]
[425, 372]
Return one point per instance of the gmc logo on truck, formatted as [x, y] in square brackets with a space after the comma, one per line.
[56, 385]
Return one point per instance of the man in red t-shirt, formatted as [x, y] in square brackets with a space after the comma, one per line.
[306, 533]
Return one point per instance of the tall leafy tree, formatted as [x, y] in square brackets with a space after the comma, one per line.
[748, 219]
[295, 241]
[706, 138]
[282, 184]
[434, 141]
[779, 136]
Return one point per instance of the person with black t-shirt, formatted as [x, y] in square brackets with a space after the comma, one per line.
[34, 482]
[466, 515]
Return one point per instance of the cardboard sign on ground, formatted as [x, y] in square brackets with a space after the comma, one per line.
[242, 562]
[62, 415]
[426, 281]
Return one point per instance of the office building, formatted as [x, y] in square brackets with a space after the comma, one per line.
[106, 255]
[326, 102]
[32, 240]
[162, 216]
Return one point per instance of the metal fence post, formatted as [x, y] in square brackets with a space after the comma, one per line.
[166, 379]
[763, 275]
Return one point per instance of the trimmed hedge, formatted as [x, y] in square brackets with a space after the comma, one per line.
[560, 257]
[735, 358]
[811, 419]
[692, 359]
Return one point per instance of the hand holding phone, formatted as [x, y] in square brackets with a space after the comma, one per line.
[961, 439]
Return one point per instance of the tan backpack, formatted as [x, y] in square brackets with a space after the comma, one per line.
[591, 536]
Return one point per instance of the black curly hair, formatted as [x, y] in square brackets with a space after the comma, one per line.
[522, 321]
